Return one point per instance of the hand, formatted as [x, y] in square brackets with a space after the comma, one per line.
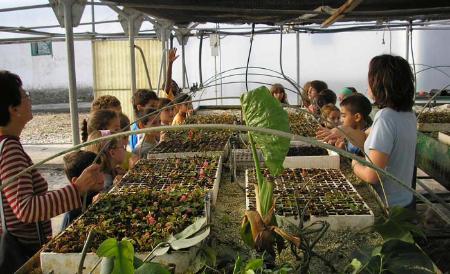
[90, 180]
[172, 55]
[340, 143]
[120, 171]
[354, 163]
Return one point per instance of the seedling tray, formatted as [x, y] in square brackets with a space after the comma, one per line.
[303, 124]
[329, 160]
[145, 216]
[163, 171]
[194, 143]
[320, 194]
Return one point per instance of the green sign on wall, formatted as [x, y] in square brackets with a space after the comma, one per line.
[41, 48]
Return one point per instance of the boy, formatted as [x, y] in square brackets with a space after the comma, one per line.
[151, 139]
[166, 114]
[181, 109]
[142, 99]
[106, 102]
[74, 164]
[355, 111]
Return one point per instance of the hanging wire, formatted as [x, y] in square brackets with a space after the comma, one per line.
[249, 54]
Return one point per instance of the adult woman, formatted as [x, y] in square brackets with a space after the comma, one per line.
[26, 202]
[390, 142]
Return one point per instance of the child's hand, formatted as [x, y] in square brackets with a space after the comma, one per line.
[133, 160]
[340, 143]
[120, 171]
[172, 55]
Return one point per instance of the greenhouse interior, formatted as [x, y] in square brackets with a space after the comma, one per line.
[149, 136]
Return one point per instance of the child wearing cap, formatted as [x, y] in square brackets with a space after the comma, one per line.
[345, 92]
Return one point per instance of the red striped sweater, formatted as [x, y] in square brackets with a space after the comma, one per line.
[27, 199]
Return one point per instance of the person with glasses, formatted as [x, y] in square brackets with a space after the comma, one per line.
[27, 205]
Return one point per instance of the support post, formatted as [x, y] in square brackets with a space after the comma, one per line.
[164, 58]
[183, 60]
[93, 16]
[131, 32]
[407, 44]
[68, 24]
[297, 36]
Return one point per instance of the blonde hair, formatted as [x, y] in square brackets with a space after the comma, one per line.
[326, 110]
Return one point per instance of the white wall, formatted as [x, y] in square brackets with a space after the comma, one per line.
[340, 59]
[48, 71]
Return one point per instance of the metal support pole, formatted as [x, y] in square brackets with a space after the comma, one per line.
[131, 19]
[297, 36]
[93, 16]
[407, 44]
[68, 25]
[183, 60]
[164, 57]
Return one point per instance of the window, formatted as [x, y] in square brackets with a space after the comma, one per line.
[41, 48]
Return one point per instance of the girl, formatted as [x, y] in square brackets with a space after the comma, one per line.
[277, 91]
[111, 158]
[330, 116]
[182, 110]
[167, 114]
[100, 120]
[391, 141]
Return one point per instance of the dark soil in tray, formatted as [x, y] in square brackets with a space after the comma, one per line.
[306, 151]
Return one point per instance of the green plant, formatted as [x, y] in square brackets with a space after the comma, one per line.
[398, 253]
[260, 109]
[256, 265]
[125, 262]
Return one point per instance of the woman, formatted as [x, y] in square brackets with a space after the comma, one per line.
[391, 141]
[27, 202]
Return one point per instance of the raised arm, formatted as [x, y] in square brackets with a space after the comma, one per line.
[171, 58]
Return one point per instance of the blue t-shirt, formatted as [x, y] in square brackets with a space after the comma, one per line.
[395, 134]
[353, 149]
[134, 138]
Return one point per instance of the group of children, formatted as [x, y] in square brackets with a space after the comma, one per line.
[354, 111]
[119, 154]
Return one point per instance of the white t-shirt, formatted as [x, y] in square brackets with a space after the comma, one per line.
[395, 133]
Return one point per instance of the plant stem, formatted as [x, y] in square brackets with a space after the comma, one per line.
[259, 177]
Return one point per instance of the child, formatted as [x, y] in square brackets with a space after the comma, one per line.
[100, 120]
[125, 126]
[325, 97]
[277, 91]
[355, 111]
[330, 115]
[106, 102]
[314, 88]
[167, 114]
[345, 92]
[182, 110]
[74, 164]
[142, 99]
[150, 139]
[112, 156]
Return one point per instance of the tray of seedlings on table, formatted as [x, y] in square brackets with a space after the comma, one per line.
[187, 172]
[303, 124]
[143, 215]
[193, 142]
[303, 155]
[319, 194]
[226, 118]
[433, 120]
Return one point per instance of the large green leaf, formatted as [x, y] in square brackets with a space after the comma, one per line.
[185, 243]
[254, 264]
[123, 253]
[190, 230]
[261, 109]
[399, 225]
[266, 197]
[152, 268]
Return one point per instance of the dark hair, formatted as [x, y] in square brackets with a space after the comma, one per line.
[105, 102]
[142, 97]
[280, 87]
[147, 111]
[76, 162]
[318, 85]
[392, 82]
[10, 85]
[97, 120]
[304, 95]
[358, 103]
[124, 122]
[325, 97]
[164, 102]
[96, 148]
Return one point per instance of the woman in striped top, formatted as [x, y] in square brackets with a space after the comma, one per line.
[27, 199]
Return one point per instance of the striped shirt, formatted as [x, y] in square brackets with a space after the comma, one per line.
[27, 199]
